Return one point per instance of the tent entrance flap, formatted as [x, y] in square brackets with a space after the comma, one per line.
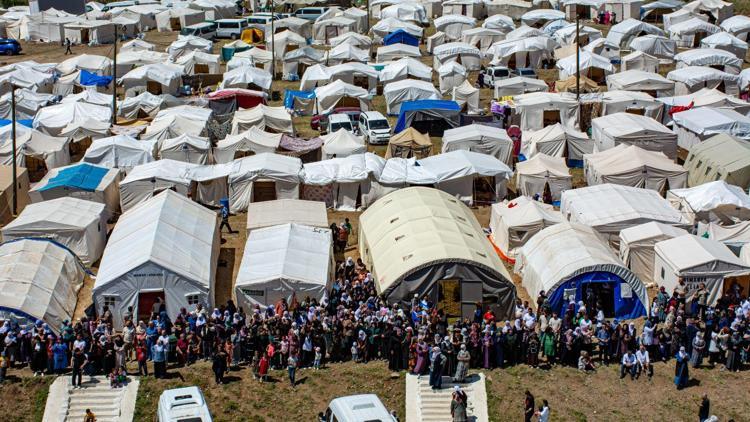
[449, 297]
[146, 301]
[264, 191]
[736, 286]
[624, 301]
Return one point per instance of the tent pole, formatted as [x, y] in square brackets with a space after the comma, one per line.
[578, 57]
[13, 138]
[114, 82]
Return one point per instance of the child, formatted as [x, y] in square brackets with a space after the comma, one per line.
[141, 356]
[354, 352]
[113, 378]
[122, 377]
[318, 357]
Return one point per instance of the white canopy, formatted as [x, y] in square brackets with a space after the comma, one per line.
[637, 247]
[404, 68]
[632, 101]
[693, 78]
[454, 25]
[726, 41]
[518, 85]
[532, 108]
[52, 119]
[480, 138]
[92, 63]
[188, 148]
[120, 151]
[513, 223]
[144, 181]
[536, 16]
[264, 117]
[245, 76]
[253, 140]
[634, 166]
[175, 121]
[715, 201]
[169, 76]
[79, 225]
[623, 33]
[706, 97]
[169, 244]
[187, 43]
[284, 211]
[396, 51]
[658, 46]
[385, 26]
[698, 124]
[738, 25]
[328, 96]
[685, 32]
[586, 61]
[639, 80]
[32, 143]
[556, 141]
[632, 129]
[710, 57]
[541, 172]
[39, 281]
[499, 22]
[398, 92]
[283, 261]
[468, 55]
[342, 143]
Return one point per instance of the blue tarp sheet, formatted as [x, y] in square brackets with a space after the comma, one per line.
[411, 107]
[402, 37]
[290, 95]
[88, 79]
[26, 122]
[82, 177]
[625, 308]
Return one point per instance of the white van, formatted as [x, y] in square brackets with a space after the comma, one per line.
[230, 28]
[358, 408]
[183, 405]
[339, 121]
[374, 127]
[310, 13]
[205, 30]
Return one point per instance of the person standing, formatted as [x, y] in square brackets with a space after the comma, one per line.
[77, 362]
[225, 218]
[681, 371]
[528, 407]
[543, 412]
[219, 365]
[458, 405]
[89, 416]
[704, 410]
[159, 355]
[67, 47]
[463, 364]
[291, 367]
[436, 368]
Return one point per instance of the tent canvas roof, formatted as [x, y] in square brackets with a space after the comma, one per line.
[690, 251]
[283, 211]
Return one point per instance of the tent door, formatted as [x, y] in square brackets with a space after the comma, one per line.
[264, 191]
[331, 32]
[599, 295]
[153, 87]
[242, 154]
[37, 169]
[78, 149]
[636, 110]
[449, 297]
[174, 23]
[583, 11]
[551, 118]
[348, 102]
[463, 10]
[85, 36]
[146, 301]
[200, 68]
[736, 285]
[697, 38]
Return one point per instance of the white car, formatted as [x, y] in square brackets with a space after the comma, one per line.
[358, 408]
[374, 127]
[339, 121]
[183, 405]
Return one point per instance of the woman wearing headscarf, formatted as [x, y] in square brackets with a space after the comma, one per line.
[450, 355]
[681, 370]
[458, 405]
[699, 345]
[486, 347]
[422, 351]
[462, 368]
[733, 352]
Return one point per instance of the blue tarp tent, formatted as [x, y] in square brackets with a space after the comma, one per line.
[433, 116]
[84, 177]
[623, 307]
[401, 37]
[92, 79]
[290, 96]
[26, 122]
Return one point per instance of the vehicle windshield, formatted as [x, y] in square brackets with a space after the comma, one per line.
[379, 124]
[343, 125]
[187, 31]
[501, 72]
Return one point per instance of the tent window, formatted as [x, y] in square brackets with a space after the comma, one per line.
[469, 234]
[399, 237]
[482, 255]
[662, 273]
[708, 170]
[394, 220]
[461, 218]
[700, 163]
[407, 257]
[99, 227]
[109, 301]
[193, 298]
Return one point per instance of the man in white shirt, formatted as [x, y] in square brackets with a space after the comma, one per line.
[629, 365]
[644, 363]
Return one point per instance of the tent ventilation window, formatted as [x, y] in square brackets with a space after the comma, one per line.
[109, 301]
[708, 170]
[399, 237]
[394, 220]
[193, 299]
[461, 218]
[482, 255]
[662, 273]
[469, 234]
[407, 257]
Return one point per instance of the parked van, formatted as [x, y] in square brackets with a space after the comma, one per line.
[339, 121]
[358, 408]
[205, 30]
[310, 13]
[374, 127]
[230, 28]
[183, 405]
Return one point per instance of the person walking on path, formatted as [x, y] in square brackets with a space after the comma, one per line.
[528, 407]
[67, 47]
[225, 218]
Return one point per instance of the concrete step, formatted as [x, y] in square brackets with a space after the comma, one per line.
[104, 410]
[95, 402]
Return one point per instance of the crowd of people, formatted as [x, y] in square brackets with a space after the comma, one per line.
[354, 323]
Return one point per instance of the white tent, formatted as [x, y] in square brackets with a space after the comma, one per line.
[284, 211]
[52, 119]
[482, 38]
[262, 177]
[215, 9]
[385, 26]
[328, 96]
[410, 12]
[521, 52]
[658, 46]
[405, 68]
[632, 129]
[567, 34]
[624, 32]
[499, 22]
[283, 261]
[352, 38]
[518, 85]
[32, 144]
[737, 25]
[693, 78]
[342, 143]
[345, 184]
[479, 138]
[397, 51]
[324, 30]
[706, 97]
[167, 247]
[184, 44]
[540, 109]
[198, 62]
[253, 140]
[99, 65]
[541, 173]
[711, 57]
[735, 235]
[715, 10]
[560, 260]
[695, 260]
[466, 96]
[698, 124]
[513, 223]
[398, 92]
[638, 60]
[187, 148]
[247, 77]
[145, 181]
[467, 55]
[450, 75]
[176, 18]
[537, 17]
[639, 80]
[346, 53]
[632, 101]
[145, 104]
[472, 8]
[79, 225]
[716, 202]
[27, 104]
[121, 151]
[689, 33]
[556, 141]
[128, 60]
[637, 247]
[454, 25]
[609, 208]
[264, 117]
[39, 281]
[175, 121]
[634, 166]
[728, 42]
[157, 78]
[82, 181]
[511, 8]
[591, 65]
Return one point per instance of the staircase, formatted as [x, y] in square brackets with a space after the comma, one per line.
[65, 403]
[435, 406]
